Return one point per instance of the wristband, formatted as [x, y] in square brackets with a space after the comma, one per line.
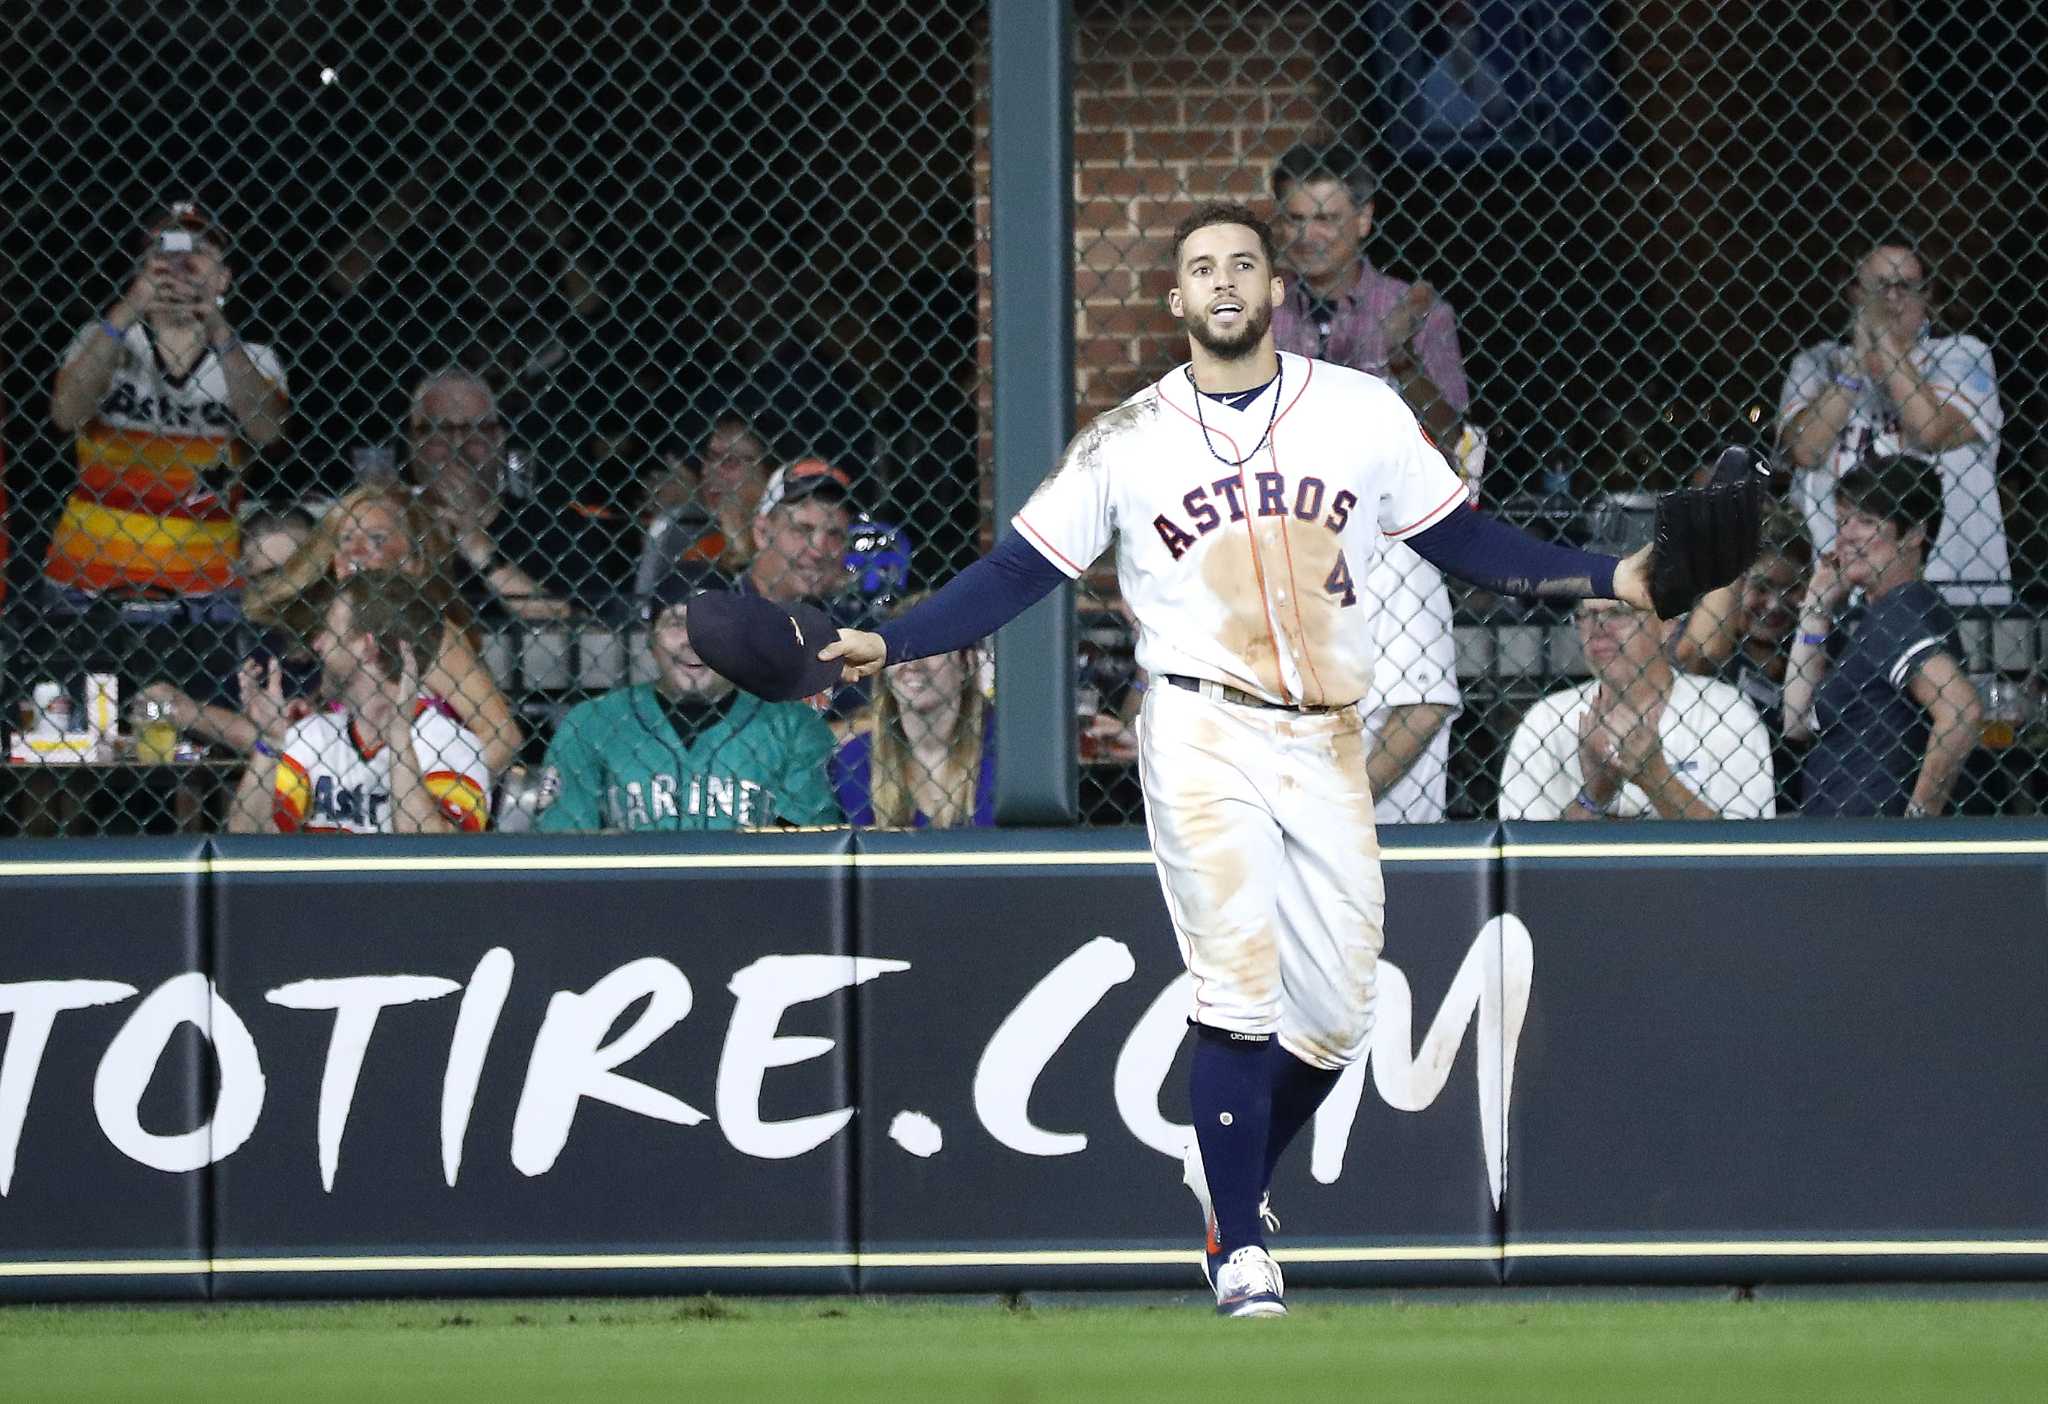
[264, 748]
[1586, 802]
[1850, 383]
[1815, 639]
[113, 332]
[221, 348]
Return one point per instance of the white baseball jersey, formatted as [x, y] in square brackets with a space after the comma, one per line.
[1261, 818]
[1248, 575]
[1970, 563]
[1417, 664]
[1713, 739]
[332, 778]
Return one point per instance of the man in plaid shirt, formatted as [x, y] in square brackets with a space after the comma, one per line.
[1340, 308]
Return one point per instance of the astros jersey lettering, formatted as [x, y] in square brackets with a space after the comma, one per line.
[333, 778]
[150, 511]
[1248, 575]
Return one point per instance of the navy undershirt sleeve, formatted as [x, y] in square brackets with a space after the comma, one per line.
[975, 603]
[1495, 556]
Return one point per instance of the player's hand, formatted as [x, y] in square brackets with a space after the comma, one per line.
[1632, 580]
[860, 654]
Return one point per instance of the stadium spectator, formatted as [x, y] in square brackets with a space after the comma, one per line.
[1340, 308]
[270, 537]
[165, 401]
[1641, 739]
[274, 691]
[383, 527]
[799, 532]
[391, 758]
[929, 760]
[705, 516]
[1895, 386]
[1743, 635]
[1880, 691]
[1414, 693]
[686, 751]
[533, 557]
[273, 686]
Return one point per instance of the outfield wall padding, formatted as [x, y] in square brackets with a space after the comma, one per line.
[827, 1061]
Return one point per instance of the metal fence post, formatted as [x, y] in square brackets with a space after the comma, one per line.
[1031, 221]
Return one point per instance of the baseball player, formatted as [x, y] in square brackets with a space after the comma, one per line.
[388, 760]
[1244, 492]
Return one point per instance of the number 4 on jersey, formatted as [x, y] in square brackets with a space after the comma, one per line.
[1339, 583]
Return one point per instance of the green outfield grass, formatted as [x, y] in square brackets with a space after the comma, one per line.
[841, 1350]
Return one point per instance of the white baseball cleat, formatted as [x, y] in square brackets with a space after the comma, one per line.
[1249, 1284]
[1196, 1179]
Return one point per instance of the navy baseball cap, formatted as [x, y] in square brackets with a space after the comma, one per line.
[762, 647]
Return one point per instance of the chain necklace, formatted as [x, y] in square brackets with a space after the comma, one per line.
[1279, 376]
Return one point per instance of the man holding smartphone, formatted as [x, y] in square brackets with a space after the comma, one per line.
[166, 402]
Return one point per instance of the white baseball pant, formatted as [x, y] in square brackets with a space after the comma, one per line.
[1261, 823]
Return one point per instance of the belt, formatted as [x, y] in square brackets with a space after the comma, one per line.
[1224, 692]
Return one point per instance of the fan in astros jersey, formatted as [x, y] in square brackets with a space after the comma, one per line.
[382, 757]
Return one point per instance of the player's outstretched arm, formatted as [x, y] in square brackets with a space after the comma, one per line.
[1497, 556]
[1705, 537]
[974, 604]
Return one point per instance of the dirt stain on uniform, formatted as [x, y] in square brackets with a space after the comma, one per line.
[1232, 574]
[1196, 809]
[1331, 640]
[1086, 449]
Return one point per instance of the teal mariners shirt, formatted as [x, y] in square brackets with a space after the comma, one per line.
[623, 765]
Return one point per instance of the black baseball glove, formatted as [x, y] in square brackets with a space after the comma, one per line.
[1706, 536]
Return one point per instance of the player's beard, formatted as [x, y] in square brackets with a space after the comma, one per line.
[1238, 344]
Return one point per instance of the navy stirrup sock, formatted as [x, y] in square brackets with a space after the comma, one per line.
[1231, 1088]
[1298, 1089]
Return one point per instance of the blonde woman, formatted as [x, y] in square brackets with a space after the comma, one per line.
[929, 761]
[382, 527]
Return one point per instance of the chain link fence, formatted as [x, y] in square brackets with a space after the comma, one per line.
[440, 349]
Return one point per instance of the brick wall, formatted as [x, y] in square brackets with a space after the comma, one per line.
[1167, 113]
